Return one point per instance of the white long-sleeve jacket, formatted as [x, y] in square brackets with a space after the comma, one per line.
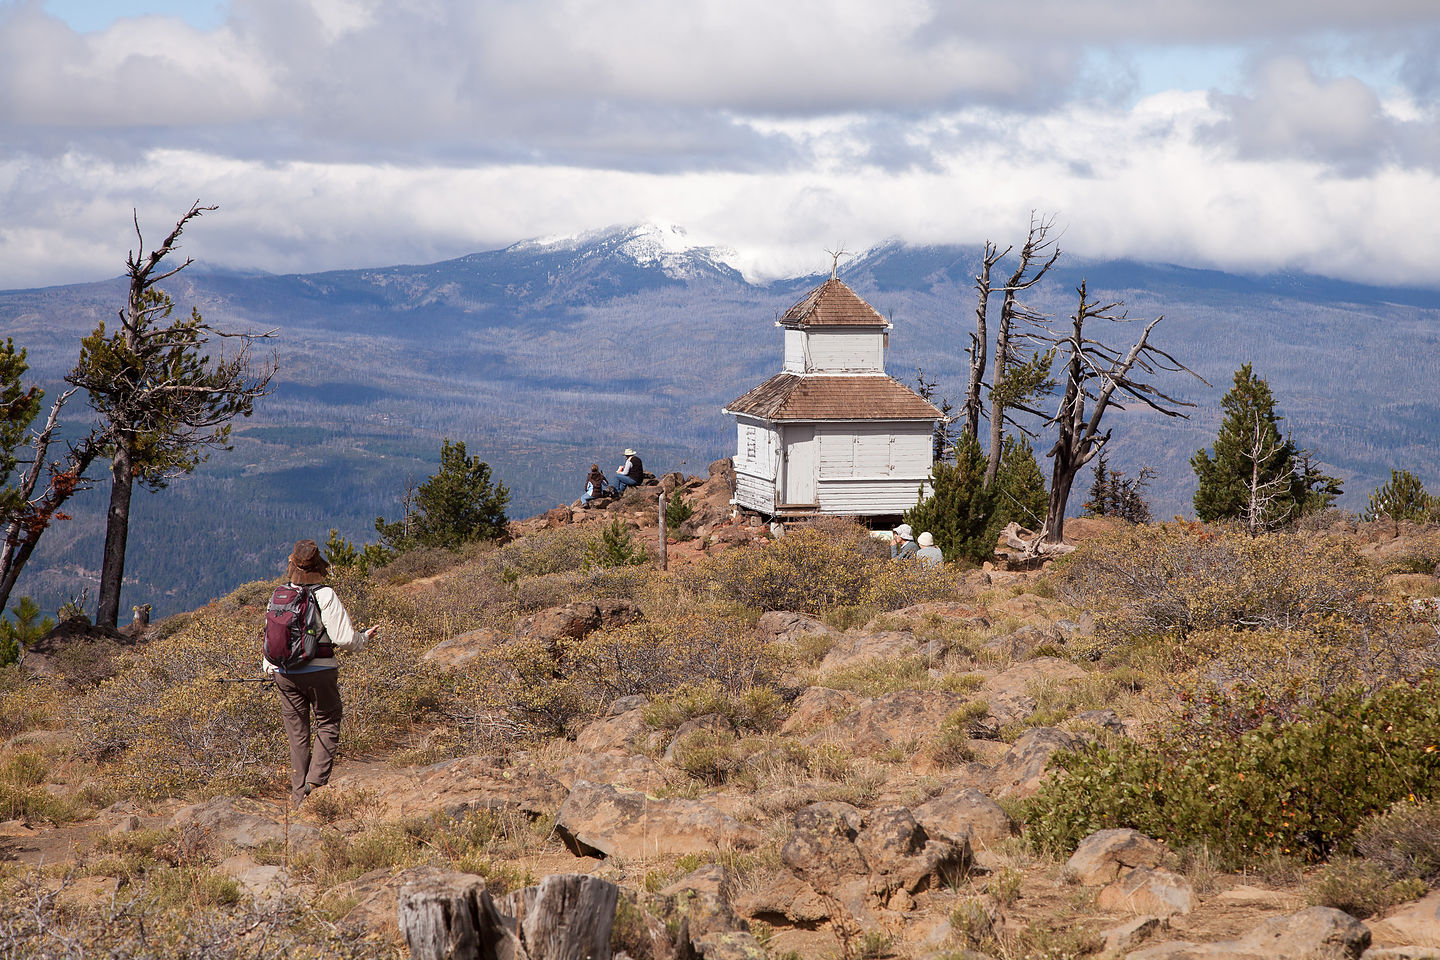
[338, 628]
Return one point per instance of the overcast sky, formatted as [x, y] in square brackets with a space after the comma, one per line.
[1242, 134]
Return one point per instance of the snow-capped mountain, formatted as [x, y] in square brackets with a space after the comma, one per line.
[664, 245]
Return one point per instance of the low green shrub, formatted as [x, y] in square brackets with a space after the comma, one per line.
[823, 567]
[758, 709]
[1405, 840]
[1299, 788]
[1361, 888]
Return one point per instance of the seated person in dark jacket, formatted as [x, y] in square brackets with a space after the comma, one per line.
[631, 472]
[596, 485]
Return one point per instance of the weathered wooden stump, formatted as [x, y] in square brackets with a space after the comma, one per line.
[453, 917]
[570, 918]
[440, 917]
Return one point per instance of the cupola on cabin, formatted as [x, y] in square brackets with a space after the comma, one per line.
[832, 433]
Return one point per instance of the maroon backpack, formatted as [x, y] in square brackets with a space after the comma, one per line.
[294, 634]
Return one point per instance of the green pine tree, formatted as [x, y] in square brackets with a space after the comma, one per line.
[1403, 498]
[1020, 495]
[458, 504]
[1255, 474]
[959, 511]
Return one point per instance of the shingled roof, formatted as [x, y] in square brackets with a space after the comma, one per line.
[789, 396]
[833, 304]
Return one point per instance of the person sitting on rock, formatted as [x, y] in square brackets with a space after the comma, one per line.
[631, 472]
[928, 551]
[596, 486]
[902, 543]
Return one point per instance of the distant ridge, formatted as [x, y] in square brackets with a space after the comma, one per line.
[550, 354]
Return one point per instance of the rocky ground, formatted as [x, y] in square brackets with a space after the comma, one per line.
[872, 829]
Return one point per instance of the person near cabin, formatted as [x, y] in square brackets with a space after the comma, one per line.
[902, 543]
[314, 687]
[631, 472]
[928, 551]
[595, 484]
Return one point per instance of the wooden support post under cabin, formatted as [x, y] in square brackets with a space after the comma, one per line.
[451, 916]
[664, 552]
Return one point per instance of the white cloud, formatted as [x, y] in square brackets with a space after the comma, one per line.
[1136, 183]
[345, 132]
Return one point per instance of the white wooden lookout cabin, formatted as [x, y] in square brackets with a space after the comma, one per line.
[832, 433]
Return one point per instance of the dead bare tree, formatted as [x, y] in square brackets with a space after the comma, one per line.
[980, 338]
[1016, 382]
[1094, 374]
[1265, 490]
[64, 478]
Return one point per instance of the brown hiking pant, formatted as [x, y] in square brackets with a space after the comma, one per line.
[299, 694]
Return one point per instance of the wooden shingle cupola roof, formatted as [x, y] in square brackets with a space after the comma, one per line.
[787, 396]
[832, 304]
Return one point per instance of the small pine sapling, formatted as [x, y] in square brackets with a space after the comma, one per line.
[614, 548]
[28, 627]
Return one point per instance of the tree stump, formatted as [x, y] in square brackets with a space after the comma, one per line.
[567, 917]
[453, 917]
[440, 917]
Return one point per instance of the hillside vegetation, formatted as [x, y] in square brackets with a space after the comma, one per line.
[797, 747]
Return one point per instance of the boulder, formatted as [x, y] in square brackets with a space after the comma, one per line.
[1128, 935]
[821, 847]
[1148, 890]
[965, 812]
[1415, 923]
[902, 718]
[1107, 854]
[1318, 933]
[1023, 768]
[244, 824]
[573, 621]
[855, 650]
[600, 819]
[785, 897]
[846, 854]
[818, 707]
[633, 771]
[1022, 643]
[784, 625]
[702, 897]
[463, 649]
[903, 857]
[559, 516]
[620, 733]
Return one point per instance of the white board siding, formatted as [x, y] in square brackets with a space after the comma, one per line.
[843, 351]
[874, 450]
[756, 448]
[870, 497]
[795, 352]
[799, 463]
[754, 493]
